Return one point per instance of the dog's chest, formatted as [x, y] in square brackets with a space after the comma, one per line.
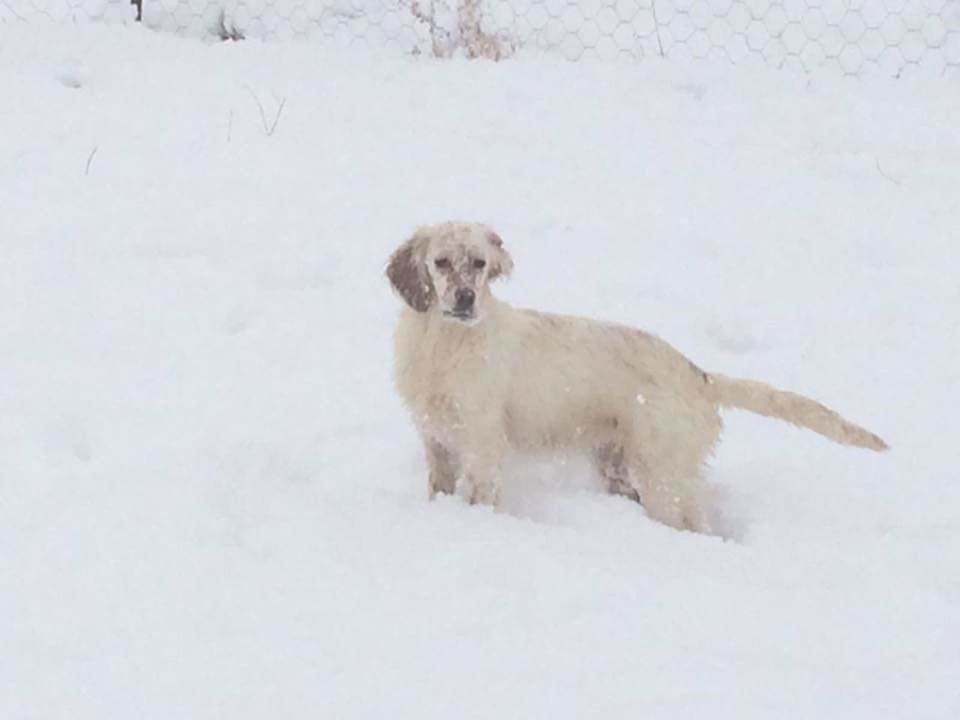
[441, 370]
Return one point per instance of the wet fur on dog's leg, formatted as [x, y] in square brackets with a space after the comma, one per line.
[442, 476]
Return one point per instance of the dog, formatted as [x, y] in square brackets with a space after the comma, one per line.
[482, 378]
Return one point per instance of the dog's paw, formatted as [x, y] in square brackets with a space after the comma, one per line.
[483, 494]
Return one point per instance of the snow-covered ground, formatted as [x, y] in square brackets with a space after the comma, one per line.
[212, 505]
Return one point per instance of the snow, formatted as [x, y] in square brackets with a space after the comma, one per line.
[212, 504]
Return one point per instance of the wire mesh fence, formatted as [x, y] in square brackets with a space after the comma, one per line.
[57, 11]
[891, 37]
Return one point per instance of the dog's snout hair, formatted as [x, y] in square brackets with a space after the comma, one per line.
[482, 378]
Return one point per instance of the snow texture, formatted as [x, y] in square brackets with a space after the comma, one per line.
[212, 504]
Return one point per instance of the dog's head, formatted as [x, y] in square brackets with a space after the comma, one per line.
[448, 267]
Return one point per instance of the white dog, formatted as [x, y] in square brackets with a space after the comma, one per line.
[481, 378]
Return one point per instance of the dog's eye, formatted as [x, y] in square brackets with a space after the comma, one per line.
[479, 264]
[442, 263]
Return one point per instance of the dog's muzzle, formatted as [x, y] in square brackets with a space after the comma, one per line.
[464, 301]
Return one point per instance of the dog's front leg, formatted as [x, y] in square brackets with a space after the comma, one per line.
[443, 468]
[482, 461]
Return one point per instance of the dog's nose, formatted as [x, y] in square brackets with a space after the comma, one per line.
[464, 298]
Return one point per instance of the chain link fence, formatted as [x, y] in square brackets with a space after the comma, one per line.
[891, 37]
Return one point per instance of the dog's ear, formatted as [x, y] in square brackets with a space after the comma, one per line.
[501, 264]
[408, 274]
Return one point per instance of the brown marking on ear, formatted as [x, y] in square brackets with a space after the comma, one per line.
[409, 277]
[502, 264]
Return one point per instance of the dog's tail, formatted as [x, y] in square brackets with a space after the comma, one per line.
[768, 401]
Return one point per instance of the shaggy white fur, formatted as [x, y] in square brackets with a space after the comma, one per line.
[481, 377]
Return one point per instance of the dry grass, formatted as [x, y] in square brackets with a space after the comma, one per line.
[468, 36]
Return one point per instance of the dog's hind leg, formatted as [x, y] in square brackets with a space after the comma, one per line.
[666, 463]
[609, 461]
[672, 493]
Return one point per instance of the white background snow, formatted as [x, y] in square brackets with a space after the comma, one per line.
[212, 504]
